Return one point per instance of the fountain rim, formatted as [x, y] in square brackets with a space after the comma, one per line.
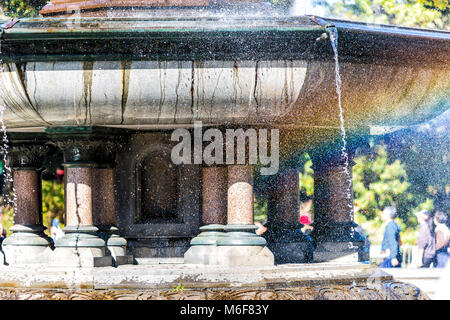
[93, 27]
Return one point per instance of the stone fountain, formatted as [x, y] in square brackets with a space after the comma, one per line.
[105, 83]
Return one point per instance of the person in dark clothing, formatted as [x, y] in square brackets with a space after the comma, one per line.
[426, 242]
[442, 239]
[390, 246]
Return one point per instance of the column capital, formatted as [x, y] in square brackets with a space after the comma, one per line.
[27, 155]
[91, 146]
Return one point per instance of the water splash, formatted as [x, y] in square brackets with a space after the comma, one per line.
[8, 177]
[7, 171]
[333, 34]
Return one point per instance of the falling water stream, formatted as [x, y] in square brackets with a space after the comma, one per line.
[333, 34]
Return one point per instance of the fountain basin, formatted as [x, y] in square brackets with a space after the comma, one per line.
[161, 72]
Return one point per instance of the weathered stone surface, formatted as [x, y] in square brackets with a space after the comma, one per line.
[201, 254]
[80, 257]
[166, 275]
[386, 291]
[285, 282]
[26, 255]
[233, 256]
[27, 245]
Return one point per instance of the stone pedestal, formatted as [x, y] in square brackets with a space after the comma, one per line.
[284, 236]
[104, 216]
[28, 244]
[214, 215]
[241, 246]
[80, 246]
[335, 236]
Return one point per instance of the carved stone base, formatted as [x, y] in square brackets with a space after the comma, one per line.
[153, 281]
[389, 290]
[203, 247]
[241, 235]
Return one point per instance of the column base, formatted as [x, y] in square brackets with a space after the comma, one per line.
[25, 255]
[203, 247]
[27, 245]
[209, 235]
[241, 235]
[242, 247]
[116, 246]
[80, 247]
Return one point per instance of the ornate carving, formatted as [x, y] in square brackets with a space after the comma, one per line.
[384, 291]
[87, 150]
[88, 144]
[27, 155]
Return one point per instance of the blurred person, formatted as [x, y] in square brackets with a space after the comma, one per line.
[59, 174]
[55, 230]
[442, 234]
[390, 247]
[306, 218]
[2, 228]
[261, 228]
[426, 242]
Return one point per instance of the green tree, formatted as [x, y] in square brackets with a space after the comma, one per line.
[411, 13]
[378, 182]
[52, 202]
[21, 8]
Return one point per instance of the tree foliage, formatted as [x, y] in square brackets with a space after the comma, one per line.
[52, 202]
[21, 8]
[411, 13]
[379, 182]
